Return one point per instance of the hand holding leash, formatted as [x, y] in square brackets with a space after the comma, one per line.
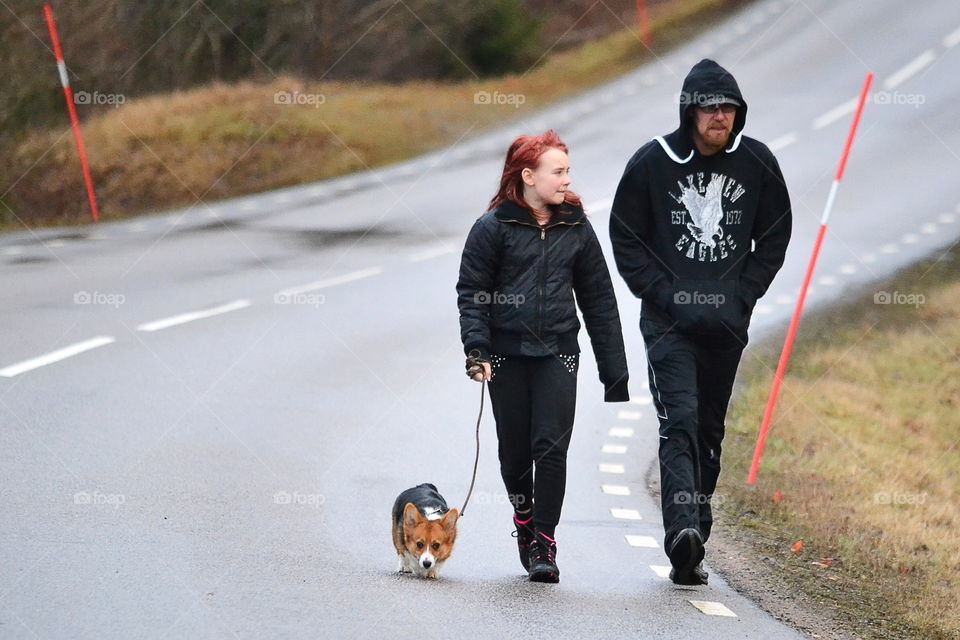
[478, 369]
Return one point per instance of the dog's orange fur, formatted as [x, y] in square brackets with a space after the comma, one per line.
[418, 535]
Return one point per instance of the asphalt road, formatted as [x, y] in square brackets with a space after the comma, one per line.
[231, 473]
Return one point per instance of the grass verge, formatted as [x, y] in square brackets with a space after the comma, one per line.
[862, 464]
[222, 141]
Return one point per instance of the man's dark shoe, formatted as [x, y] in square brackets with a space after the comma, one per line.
[697, 577]
[526, 539]
[686, 553]
[543, 560]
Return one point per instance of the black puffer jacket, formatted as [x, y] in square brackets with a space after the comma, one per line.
[517, 285]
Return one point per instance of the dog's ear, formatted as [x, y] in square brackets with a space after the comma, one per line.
[449, 521]
[410, 515]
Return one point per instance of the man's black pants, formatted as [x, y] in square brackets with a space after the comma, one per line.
[534, 401]
[691, 378]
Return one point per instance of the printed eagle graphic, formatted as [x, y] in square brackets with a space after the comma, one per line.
[705, 211]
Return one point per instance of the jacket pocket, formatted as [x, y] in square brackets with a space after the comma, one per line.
[708, 306]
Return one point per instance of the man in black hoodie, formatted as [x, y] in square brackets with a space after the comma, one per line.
[699, 225]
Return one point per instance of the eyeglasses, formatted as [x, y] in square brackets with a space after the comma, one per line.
[726, 108]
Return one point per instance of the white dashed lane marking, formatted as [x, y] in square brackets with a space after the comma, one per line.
[625, 514]
[426, 254]
[606, 467]
[620, 432]
[55, 356]
[910, 69]
[713, 608]
[661, 570]
[835, 114]
[614, 448]
[628, 415]
[190, 316]
[645, 542]
[642, 400]
[615, 489]
[330, 282]
[952, 39]
[783, 141]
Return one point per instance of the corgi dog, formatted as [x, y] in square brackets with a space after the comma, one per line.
[424, 531]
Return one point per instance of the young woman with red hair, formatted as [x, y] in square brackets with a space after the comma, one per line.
[523, 262]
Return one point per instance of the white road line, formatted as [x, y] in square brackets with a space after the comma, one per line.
[929, 228]
[827, 281]
[647, 542]
[713, 608]
[946, 218]
[614, 448]
[426, 254]
[55, 244]
[55, 356]
[11, 251]
[783, 141]
[867, 258]
[644, 400]
[620, 432]
[600, 205]
[910, 238]
[615, 489]
[249, 206]
[330, 282]
[952, 39]
[606, 467]
[848, 269]
[190, 316]
[784, 300]
[763, 309]
[835, 114]
[661, 570]
[910, 69]
[628, 415]
[625, 514]
[889, 248]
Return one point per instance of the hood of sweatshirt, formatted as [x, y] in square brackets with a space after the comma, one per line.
[706, 82]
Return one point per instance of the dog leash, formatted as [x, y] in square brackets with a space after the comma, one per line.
[476, 459]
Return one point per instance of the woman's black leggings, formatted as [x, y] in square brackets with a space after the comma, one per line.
[534, 400]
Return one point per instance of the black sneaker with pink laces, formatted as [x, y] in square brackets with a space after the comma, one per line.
[543, 560]
[525, 539]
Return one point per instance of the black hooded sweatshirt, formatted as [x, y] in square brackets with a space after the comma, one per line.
[700, 238]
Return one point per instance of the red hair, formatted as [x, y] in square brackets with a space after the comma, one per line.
[525, 153]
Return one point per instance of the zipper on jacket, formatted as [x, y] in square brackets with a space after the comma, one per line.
[543, 277]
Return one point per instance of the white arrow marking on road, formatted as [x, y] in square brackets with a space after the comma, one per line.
[330, 282]
[190, 316]
[910, 69]
[55, 356]
[713, 608]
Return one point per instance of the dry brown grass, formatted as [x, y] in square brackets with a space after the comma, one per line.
[865, 451]
[221, 141]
